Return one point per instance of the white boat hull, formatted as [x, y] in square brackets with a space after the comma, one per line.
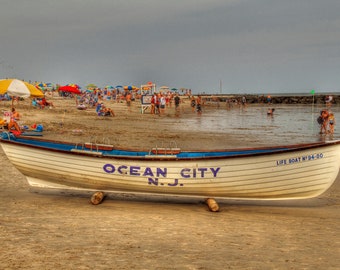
[288, 175]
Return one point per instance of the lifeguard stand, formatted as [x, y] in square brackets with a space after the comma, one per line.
[147, 90]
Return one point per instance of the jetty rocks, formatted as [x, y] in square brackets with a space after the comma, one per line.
[277, 98]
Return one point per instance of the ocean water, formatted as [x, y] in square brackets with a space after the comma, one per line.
[289, 123]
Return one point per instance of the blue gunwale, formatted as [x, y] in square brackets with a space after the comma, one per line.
[130, 153]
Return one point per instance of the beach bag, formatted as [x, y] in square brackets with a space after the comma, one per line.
[39, 128]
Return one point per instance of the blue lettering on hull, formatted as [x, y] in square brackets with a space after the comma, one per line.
[159, 176]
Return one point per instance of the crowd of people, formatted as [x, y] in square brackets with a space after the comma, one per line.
[159, 103]
[326, 118]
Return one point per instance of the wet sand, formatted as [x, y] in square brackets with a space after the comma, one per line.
[45, 230]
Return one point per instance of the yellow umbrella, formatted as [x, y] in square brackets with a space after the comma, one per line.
[18, 88]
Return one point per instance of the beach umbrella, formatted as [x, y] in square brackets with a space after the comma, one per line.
[91, 86]
[109, 87]
[44, 86]
[41, 86]
[129, 87]
[70, 89]
[164, 87]
[18, 88]
[174, 89]
[74, 85]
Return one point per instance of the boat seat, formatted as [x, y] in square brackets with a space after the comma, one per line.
[165, 151]
[89, 152]
[161, 156]
[99, 146]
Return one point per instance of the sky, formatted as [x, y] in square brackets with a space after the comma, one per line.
[208, 46]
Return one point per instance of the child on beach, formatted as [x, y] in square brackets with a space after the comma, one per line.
[331, 123]
[323, 121]
[270, 111]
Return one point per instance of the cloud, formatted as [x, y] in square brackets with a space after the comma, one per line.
[250, 45]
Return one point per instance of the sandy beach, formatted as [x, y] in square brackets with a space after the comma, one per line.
[45, 230]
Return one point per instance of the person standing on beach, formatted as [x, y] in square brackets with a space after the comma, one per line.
[244, 101]
[198, 104]
[269, 99]
[157, 101]
[177, 102]
[323, 121]
[331, 123]
[128, 100]
[192, 103]
[153, 104]
[162, 103]
[329, 100]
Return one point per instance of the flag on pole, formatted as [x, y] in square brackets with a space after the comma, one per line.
[312, 92]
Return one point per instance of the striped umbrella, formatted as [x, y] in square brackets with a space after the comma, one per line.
[18, 88]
